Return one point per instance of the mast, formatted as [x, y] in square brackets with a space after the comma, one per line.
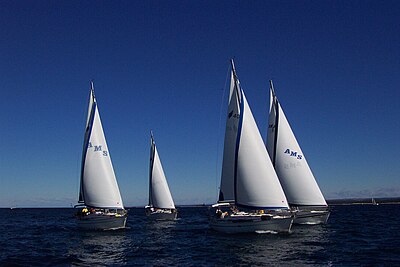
[276, 106]
[236, 81]
[152, 150]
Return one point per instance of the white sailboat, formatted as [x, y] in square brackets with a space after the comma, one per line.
[161, 205]
[251, 198]
[99, 193]
[297, 180]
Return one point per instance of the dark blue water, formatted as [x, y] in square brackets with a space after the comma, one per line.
[355, 235]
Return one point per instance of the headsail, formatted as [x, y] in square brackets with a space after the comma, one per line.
[99, 186]
[255, 184]
[159, 195]
[295, 175]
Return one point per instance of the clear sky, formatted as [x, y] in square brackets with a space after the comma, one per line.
[163, 65]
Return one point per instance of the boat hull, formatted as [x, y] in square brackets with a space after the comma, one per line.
[101, 222]
[252, 224]
[311, 217]
[162, 216]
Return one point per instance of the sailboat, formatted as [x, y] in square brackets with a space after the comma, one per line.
[251, 198]
[374, 202]
[298, 182]
[99, 195]
[161, 205]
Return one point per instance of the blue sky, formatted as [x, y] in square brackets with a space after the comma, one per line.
[163, 65]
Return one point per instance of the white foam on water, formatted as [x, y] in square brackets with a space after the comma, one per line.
[266, 232]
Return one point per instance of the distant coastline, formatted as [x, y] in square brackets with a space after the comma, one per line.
[363, 201]
[331, 202]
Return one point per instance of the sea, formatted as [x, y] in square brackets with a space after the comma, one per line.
[356, 235]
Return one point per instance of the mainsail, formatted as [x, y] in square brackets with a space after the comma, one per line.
[159, 195]
[295, 175]
[255, 183]
[99, 186]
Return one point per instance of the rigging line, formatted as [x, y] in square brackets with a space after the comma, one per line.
[219, 130]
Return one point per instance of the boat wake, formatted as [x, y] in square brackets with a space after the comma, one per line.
[115, 229]
[266, 232]
[310, 223]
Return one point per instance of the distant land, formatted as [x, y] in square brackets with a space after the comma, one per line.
[345, 201]
[331, 202]
[363, 201]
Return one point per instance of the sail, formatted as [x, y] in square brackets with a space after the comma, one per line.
[257, 185]
[159, 196]
[99, 186]
[248, 178]
[294, 173]
[226, 193]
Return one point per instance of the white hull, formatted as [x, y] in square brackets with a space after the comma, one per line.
[252, 224]
[101, 222]
[311, 217]
[161, 215]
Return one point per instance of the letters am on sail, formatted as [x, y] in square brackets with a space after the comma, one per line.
[98, 148]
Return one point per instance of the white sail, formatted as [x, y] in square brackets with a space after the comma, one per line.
[295, 175]
[248, 176]
[257, 185]
[160, 195]
[99, 186]
[226, 193]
